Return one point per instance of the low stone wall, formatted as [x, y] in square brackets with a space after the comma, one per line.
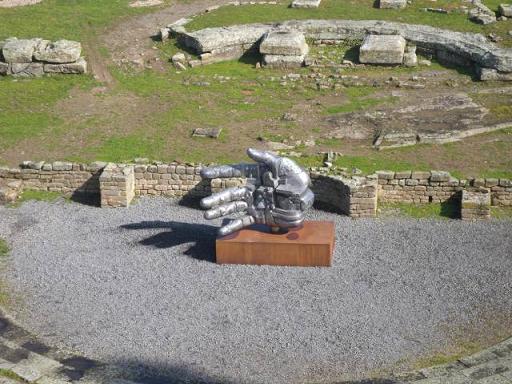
[436, 186]
[115, 185]
[354, 197]
[171, 180]
[36, 57]
[75, 180]
[492, 62]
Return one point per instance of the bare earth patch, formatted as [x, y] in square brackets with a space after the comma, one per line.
[17, 3]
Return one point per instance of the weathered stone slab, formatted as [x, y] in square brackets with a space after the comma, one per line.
[283, 61]
[505, 10]
[392, 4]
[410, 57]
[78, 67]
[382, 49]
[487, 74]
[209, 39]
[19, 51]
[27, 69]
[287, 43]
[61, 51]
[214, 133]
[4, 68]
[305, 3]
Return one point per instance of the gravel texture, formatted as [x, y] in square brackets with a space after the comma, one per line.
[138, 287]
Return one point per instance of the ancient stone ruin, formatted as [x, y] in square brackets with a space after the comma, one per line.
[465, 49]
[36, 57]
[392, 4]
[283, 49]
[305, 3]
[382, 49]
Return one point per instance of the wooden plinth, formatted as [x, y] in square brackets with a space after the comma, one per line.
[308, 246]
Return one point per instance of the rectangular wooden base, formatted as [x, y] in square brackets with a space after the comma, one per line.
[311, 245]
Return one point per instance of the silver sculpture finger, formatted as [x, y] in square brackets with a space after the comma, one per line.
[223, 197]
[236, 225]
[235, 170]
[226, 209]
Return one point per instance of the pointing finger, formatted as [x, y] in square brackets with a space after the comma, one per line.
[223, 197]
[235, 225]
[262, 156]
[226, 209]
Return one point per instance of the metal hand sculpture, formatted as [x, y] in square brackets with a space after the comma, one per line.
[276, 194]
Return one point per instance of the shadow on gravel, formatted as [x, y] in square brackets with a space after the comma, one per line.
[144, 373]
[175, 233]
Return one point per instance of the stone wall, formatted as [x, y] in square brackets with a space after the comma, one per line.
[74, 180]
[36, 57]
[436, 186]
[492, 62]
[354, 197]
[115, 185]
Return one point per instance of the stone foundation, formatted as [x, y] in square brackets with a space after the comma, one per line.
[36, 57]
[472, 49]
[115, 185]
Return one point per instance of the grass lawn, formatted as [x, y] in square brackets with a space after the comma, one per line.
[29, 195]
[447, 210]
[4, 248]
[64, 19]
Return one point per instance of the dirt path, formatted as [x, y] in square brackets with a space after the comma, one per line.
[131, 41]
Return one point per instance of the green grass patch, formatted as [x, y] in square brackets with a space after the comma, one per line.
[58, 19]
[4, 248]
[440, 358]
[420, 211]
[501, 213]
[7, 373]
[35, 195]
[26, 104]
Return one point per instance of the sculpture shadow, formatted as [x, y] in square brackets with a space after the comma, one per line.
[177, 233]
[165, 373]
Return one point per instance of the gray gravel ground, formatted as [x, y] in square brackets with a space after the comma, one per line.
[138, 287]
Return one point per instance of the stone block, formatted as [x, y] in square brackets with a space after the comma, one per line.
[213, 133]
[5, 68]
[305, 3]
[61, 51]
[282, 61]
[488, 74]
[19, 51]
[385, 175]
[439, 176]
[505, 10]
[392, 4]
[27, 69]
[410, 57]
[284, 43]
[78, 67]
[475, 204]
[403, 175]
[382, 49]
[62, 166]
